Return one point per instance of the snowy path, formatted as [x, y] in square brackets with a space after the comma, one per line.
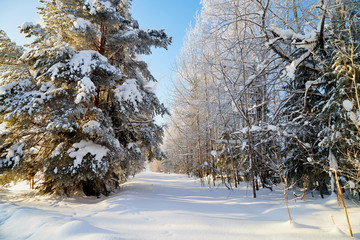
[159, 206]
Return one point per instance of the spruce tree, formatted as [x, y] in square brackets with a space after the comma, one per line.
[82, 117]
[339, 110]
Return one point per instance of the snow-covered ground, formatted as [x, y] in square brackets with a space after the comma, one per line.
[161, 206]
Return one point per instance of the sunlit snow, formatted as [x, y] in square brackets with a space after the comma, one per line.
[348, 105]
[81, 149]
[155, 206]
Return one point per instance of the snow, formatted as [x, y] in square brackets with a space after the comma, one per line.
[92, 124]
[83, 61]
[54, 70]
[92, 128]
[256, 129]
[129, 92]
[81, 149]
[290, 69]
[3, 130]
[348, 105]
[272, 41]
[332, 161]
[228, 141]
[129, 34]
[81, 24]
[15, 152]
[168, 206]
[302, 41]
[272, 128]
[99, 6]
[131, 145]
[351, 184]
[4, 89]
[288, 34]
[86, 87]
[244, 130]
[307, 145]
[243, 146]
[213, 153]
[308, 84]
[57, 150]
[26, 25]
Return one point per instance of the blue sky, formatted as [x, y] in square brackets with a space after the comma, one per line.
[175, 16]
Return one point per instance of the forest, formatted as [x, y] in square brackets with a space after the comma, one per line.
[266, 92]
[265, 112]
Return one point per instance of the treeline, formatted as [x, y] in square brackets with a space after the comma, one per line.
[267, 92]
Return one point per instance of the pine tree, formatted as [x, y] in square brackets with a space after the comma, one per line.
[339, 109]
[83, 118]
